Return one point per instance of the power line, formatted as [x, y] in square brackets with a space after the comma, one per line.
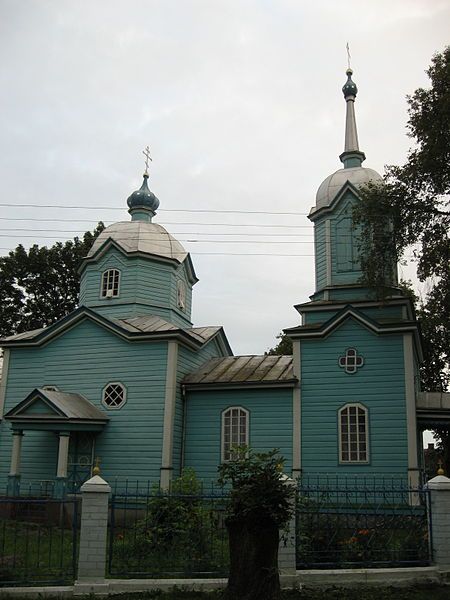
[188, 210]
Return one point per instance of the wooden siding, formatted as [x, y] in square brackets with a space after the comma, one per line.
[146, 286]
[320, 254]
[84, 360]
[375, 313]
[270, 425]
[188, 361]
[379, 385]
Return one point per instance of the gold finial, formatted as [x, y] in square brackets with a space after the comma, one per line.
[96, 469]
[348, 56]
[146, 153]
[440, 470]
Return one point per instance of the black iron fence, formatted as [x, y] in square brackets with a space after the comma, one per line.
[38, 540]
[361, 523]
[174, 533]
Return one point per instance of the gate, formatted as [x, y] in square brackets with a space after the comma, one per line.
[38, 541]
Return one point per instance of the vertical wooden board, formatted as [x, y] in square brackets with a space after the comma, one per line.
[84, 360]
[320, 254]
[270, 425]
[379, 385]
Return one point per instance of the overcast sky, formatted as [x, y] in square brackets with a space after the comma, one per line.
[240, 102]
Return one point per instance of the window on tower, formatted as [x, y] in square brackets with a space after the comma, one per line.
[235, 421]
[110, 283]
[353, 434]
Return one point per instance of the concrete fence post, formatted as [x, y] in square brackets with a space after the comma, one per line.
[94, 528]
[286, 549]
[439, 488]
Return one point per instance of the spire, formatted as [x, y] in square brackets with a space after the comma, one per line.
[142, 203]
[352, 156]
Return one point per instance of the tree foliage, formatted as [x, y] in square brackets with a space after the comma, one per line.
[283, 348]
[260, 504]
[410, 211]
[40, 285]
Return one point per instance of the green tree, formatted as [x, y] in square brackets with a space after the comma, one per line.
[283, 348]
[41, 285]
[260, 504]
[410, 210]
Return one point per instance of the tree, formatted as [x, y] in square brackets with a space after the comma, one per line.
[411, 210]
[41, 285]
[283, 348]
[260, 505]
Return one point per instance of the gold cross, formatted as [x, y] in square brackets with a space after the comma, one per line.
[146, 153]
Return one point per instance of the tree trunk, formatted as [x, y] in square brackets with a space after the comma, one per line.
[253, 560]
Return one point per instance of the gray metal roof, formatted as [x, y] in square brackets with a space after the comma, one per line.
[66, 406]
[243, 369]
[155, 324]
[140, 236]
[25, 335]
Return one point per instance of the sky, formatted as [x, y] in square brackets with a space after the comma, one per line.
[240, 102]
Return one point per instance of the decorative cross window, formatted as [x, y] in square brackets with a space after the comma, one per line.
[234, 431]
[110, 283]
[353, 434]
[114, 395]
[351, 361]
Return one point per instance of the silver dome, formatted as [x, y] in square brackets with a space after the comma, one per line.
[141, 236]
[331, 186]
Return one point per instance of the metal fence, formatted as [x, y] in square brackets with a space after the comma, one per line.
[361, 523]
[38, 540]
[175, 533]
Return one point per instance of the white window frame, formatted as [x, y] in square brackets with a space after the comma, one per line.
[244, 442]
[356, 439]
[124, 396]
[108, 284]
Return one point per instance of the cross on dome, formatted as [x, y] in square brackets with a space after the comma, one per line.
[146, 153]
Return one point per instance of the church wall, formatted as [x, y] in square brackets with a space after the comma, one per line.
[188, 361]
[146, 286]
[345, 265]
[270, 425]
[84, 360]
[375, 313]
[321, 255]
[379, 385]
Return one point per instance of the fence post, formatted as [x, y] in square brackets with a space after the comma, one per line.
[286, 548]
[439, 488]
[94, 527]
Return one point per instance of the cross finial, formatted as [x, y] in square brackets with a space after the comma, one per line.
[146, 153]
[348, 56]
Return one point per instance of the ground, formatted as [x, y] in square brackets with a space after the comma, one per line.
[423, 592]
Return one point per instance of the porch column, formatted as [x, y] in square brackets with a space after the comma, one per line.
[63, 455]
[14, 472]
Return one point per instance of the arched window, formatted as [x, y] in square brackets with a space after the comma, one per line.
[114, 395]
[110, 283]
[353, 434]
[181, 294]
[235, 423]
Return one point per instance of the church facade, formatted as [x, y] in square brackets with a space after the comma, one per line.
[127, 378]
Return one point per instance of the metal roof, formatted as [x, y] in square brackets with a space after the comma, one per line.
[155, 324]
[64, 406]
[243, 369]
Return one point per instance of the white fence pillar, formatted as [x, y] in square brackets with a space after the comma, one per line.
[440, 520]
[286, 549]
[94, 527]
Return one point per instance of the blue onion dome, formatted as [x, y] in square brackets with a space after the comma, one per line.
[143, 198]
[349, 88]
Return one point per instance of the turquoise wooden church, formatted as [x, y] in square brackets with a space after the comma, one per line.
[128, 378]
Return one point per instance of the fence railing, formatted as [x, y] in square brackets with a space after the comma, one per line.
[175, 533]
[363, 525]
[38, 540]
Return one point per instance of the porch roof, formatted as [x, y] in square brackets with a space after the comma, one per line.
[49, 409]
